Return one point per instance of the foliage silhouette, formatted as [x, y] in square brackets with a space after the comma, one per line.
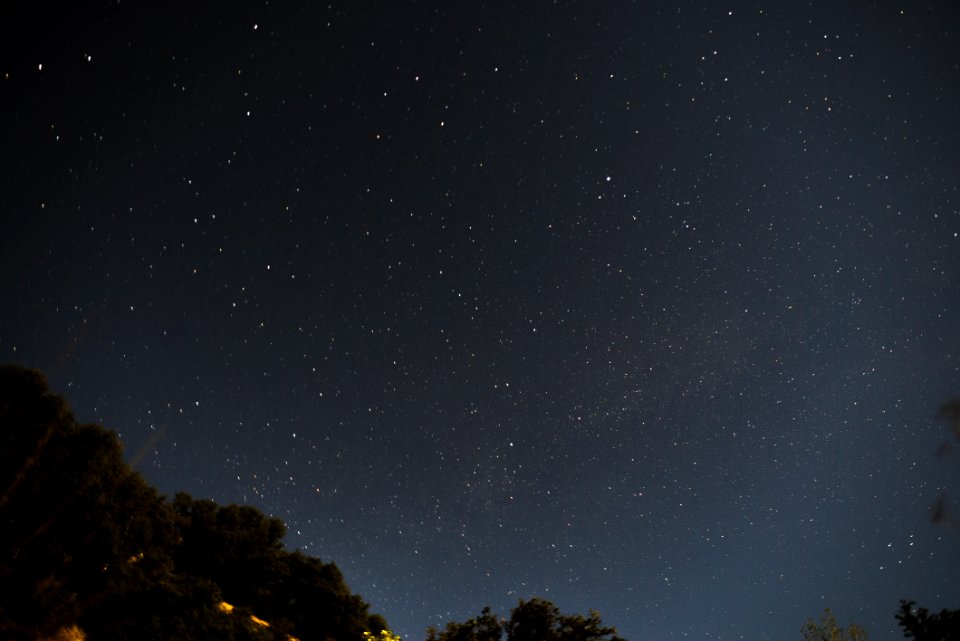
[828, 630]
[240, 549]
[920, 624]
[74, 512]
[533, 620]
[87, 542]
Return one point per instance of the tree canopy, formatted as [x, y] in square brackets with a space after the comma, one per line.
[533, 620]
[827, 629]
[87, 542]
[922, 625]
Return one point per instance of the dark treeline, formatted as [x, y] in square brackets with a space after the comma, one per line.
[88, 549]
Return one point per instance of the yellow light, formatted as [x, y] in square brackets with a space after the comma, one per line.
[228, 608]
[259, 621]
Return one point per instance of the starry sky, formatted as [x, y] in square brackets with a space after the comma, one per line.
[645, 307]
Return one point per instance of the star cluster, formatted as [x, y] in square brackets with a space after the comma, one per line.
[642, 307]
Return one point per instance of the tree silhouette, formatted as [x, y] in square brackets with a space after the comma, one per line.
[74, 513]
[88, 545]
[533, 620]
[240, 549]
[920, 624]
[827, 629]
[486, 627]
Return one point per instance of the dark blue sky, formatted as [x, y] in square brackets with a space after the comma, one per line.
[640, 307]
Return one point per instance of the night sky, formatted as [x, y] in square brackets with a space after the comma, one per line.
[641, 307]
